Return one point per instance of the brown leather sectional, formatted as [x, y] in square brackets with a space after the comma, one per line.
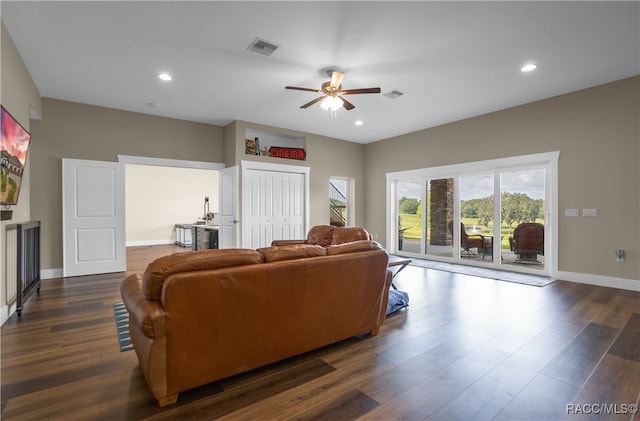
[199, 316]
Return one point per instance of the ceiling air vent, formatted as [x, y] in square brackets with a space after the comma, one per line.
[263, 47]
[394, 94]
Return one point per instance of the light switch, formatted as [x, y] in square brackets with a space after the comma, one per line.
[589, 212]
[571, 212]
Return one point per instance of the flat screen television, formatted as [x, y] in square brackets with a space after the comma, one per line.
[14, 145]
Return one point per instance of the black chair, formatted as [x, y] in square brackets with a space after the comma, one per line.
[528, 242]
[467, 242]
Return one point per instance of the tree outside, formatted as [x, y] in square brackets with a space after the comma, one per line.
[478, 213]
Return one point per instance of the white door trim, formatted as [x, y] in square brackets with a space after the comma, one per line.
[93, 216]
[165, 162]
[228, 227]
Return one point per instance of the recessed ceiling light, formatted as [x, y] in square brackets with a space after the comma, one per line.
[359, 123]
[528, 67]
[165, 76]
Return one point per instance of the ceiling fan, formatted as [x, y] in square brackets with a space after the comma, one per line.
[332, 93]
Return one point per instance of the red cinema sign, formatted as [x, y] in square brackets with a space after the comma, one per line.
[290, 153]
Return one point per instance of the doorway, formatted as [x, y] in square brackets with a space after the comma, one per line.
[80, 259]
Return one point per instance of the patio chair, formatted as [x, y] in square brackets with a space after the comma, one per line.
[467, 242]
[528, 242]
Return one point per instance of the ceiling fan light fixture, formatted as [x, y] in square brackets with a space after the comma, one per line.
[332, 103]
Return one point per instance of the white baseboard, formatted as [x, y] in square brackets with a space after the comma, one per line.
[149, 243]
[604, 281]
[50, 273]
[6, 312]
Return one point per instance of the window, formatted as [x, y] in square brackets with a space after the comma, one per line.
[472, 211]
[340, 202]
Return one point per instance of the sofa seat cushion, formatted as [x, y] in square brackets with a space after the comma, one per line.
[290, 252]
[158, 270]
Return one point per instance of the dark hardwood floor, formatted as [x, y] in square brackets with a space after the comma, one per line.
[466, 348]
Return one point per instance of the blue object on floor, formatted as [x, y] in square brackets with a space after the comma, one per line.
[397, 300]
[122, 326]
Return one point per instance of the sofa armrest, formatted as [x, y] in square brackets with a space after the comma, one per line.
[149, 316]
[279, 243]
[385, 302]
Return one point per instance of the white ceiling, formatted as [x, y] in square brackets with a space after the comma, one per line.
[452, 59]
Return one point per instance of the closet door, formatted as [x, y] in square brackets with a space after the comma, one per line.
[274, 203]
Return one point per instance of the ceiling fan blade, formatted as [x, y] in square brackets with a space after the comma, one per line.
[310, 103]
[336, 79]
[347, 105]
[360, 91]
[295, 88]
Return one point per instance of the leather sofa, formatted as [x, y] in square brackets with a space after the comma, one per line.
[325, 235]
[200, 316]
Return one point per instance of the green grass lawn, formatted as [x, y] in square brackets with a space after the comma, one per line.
[413, 225]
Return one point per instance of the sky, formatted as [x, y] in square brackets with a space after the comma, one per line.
[13, 137]
[529, 182]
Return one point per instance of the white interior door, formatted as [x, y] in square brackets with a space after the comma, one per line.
[228, 223]
[93, 217]
[274, 203]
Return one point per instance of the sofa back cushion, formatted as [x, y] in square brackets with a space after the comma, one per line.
[158, 270]
[290, 252]
[320, 235]
[348, 234]
[352, 247]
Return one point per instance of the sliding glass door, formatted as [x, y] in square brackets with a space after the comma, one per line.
[476, 217]
[493, 214]
[522, 213]
[409, 216]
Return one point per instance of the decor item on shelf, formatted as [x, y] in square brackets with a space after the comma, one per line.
[332, 93]
[289, 153]
[251, 146]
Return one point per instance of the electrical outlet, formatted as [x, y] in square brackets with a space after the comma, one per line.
[571, 212]
[620, 255]
[589, 212]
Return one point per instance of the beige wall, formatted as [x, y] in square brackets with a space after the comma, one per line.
[72, 130]
[19, 95]
[597, 133]
[81, 131]
[158, 197]
[327, 157]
